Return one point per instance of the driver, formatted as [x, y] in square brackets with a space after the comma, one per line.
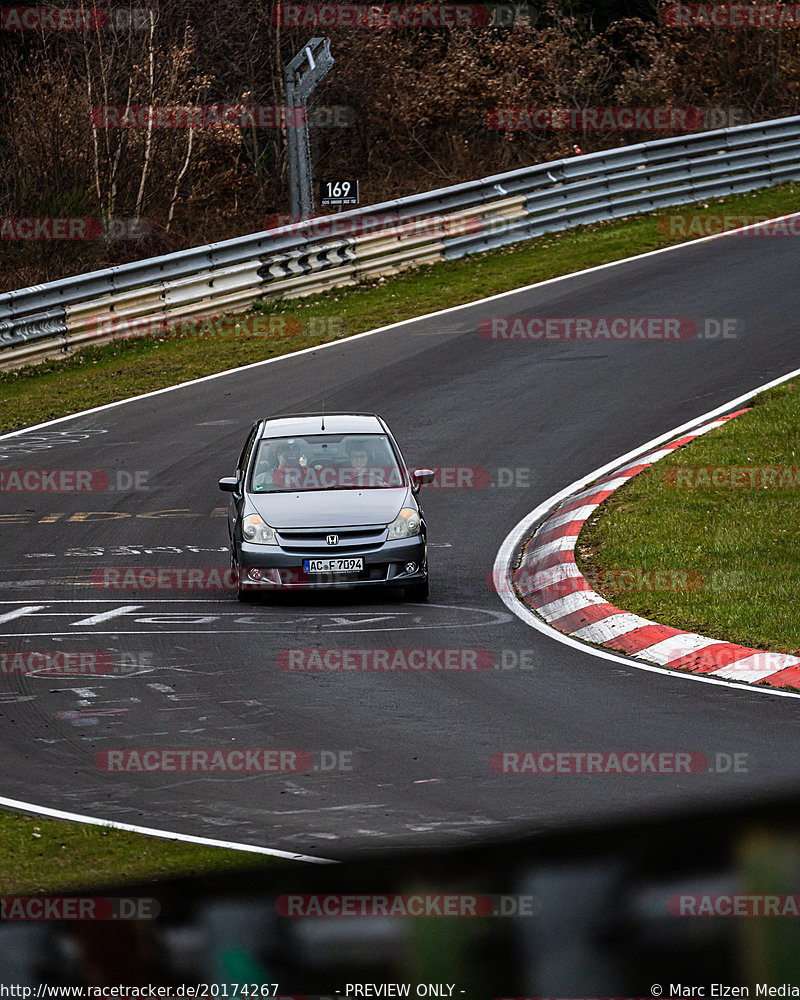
[359, 458]
[358, 455]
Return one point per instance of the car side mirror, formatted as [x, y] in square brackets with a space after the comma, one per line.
[229, 484]
[421, 477]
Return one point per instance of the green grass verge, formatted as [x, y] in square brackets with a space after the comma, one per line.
[128, 367]
[47, 855]
[738, 545]
[67, 855]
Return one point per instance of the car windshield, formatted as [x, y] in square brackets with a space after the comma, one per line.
[325, 462]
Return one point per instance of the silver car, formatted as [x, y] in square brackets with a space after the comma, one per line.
[326, 500]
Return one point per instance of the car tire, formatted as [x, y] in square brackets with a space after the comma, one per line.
[244, 596]
[417, 592]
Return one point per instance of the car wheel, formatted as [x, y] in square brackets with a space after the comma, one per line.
[417, 591]
[245, 596]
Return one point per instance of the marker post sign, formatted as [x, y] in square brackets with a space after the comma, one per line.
[337, 193]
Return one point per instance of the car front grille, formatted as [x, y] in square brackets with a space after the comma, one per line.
[314, 541]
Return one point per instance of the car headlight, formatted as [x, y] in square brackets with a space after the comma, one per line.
[406, 524]
[255, 529]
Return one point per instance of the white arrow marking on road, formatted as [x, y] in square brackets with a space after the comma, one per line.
[28, 609]
[105, 615]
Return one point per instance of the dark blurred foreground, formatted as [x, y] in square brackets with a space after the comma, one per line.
[587, 913]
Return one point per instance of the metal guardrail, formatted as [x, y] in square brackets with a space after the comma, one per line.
[59, 317]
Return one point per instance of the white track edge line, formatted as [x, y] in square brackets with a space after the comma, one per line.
[147, 831]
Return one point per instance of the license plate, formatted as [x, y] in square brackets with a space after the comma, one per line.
[333, 565]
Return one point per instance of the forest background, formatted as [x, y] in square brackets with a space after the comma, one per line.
[414, 112]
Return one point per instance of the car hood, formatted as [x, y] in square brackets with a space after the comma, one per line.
[330, 508]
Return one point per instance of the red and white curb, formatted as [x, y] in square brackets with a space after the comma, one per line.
[549, 581]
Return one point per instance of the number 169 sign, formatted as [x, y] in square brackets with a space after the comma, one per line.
[338, 193]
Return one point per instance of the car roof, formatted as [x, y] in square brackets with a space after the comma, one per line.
[311, 423]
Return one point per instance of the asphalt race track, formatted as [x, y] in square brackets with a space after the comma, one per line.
[411, 749]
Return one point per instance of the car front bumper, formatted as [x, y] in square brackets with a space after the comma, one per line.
[268, 567]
